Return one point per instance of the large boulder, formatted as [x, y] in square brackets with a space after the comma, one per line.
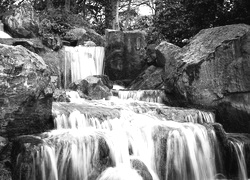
[214, 72]
[23, 22]
[94, 87]
[25, 92]
[51, 58]
[165, 52]
[125, 54]
[151, 78]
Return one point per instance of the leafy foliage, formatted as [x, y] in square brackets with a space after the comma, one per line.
[181, 19]
[173, 20]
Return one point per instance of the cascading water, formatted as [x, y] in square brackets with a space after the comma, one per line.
[82, 62]
[99, 139]
[143, 95]
[238, 148]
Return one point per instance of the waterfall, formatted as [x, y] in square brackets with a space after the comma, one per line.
[143, 95]
[238, 147]
[101, 139]
[81, 61]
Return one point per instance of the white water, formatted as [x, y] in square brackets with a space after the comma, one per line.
[143, 95]
[239, 150]
[83, 61]
[85, 143]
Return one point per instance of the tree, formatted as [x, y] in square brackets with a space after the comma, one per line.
[182, 19]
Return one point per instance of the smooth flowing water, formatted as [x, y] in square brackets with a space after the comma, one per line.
[81, 61]
[126, 139]
[238, 147]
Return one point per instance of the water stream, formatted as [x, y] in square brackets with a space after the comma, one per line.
[81, 61]
[100, 139]
[125, 138]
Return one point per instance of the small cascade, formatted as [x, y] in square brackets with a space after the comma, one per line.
[143, 95]
[81, 61]
[111, 139]
[238, 148]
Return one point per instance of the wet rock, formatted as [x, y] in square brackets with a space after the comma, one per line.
[95, 87]
[101, 79]
[43, 156]
[151, 78]
[52, 41]
[99, 91]
[213, 72]
[35, 45]
[79, 36]
[25, 92]
[165, 53]
[89, 44]
[59, 95]
[23, 22]
[125, 54]
[23, 152]
[141, 169]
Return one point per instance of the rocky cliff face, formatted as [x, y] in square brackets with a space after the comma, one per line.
[213, 71]
[25, 94]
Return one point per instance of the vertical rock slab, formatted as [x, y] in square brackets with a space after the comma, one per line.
[125, 54]
[214, 72]
[25, 92]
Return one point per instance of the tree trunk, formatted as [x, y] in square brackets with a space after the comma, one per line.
[112, 14]
[67, 5]
[128, 15]
[84, 9]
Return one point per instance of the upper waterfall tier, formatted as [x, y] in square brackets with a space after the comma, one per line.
[81, 62]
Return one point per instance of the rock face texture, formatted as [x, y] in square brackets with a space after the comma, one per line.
[165, 54]
[213, 71]
[95, 87]
[35, 45]
[23, 22]
[125, 54]
[151, 78]
[25, 93]
[79, 36]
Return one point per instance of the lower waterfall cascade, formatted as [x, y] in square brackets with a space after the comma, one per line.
[83, 61]
[125, 139]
